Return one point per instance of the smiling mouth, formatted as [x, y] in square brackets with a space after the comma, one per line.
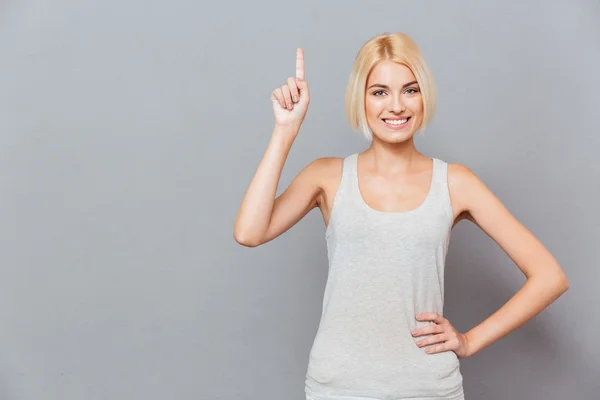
[396, 122]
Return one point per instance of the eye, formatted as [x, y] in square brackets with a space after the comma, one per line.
[379, 91]
[414, 90]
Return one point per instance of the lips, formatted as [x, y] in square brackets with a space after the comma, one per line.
[395, 119]
[392, 124]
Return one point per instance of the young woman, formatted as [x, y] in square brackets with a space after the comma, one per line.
[389, 211]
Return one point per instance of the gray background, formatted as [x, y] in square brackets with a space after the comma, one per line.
[129, 131]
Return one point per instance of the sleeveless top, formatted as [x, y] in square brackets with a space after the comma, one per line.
[384, 268]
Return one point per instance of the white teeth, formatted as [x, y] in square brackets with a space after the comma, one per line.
[395, 122]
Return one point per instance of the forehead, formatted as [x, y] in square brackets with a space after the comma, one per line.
[390, 73]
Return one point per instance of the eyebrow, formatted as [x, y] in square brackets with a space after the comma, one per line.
[387, 87]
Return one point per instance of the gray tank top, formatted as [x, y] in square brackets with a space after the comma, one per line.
[384, 268]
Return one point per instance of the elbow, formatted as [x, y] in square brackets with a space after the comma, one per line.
[245, 240]
[561, 284]
[564, 284]
[556, 284]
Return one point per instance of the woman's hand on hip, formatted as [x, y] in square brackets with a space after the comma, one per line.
[444, 336]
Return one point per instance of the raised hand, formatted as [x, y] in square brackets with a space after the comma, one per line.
[290, 101]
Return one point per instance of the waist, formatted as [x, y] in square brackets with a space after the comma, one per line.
[383, 368]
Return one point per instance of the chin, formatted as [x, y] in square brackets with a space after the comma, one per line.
[394, 137]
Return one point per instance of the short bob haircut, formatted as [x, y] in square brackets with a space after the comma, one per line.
[397, 47]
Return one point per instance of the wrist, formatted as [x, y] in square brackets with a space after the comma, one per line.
[472, 344]
[285, 133]
[283, 137]
[286, 129]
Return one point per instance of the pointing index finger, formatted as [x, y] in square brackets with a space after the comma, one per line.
[300, 63]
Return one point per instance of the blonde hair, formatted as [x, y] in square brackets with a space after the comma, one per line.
[397, 47]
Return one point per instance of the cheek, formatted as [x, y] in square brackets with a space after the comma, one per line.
[373, 107]
[417, 105]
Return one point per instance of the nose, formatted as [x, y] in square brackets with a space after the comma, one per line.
[396, 104]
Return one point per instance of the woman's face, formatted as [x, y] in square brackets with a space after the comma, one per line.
[392, 96]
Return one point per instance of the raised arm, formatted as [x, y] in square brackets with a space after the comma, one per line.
[261, 216]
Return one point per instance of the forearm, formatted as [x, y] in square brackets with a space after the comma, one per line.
[533, 297]
[257, 205]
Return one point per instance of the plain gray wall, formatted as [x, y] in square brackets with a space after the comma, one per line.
[130, 130]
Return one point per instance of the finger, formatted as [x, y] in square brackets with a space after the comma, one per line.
[431, 316]
[302, 89]
[441, 338]
[428, 330]
[438, 348]
[300, 63]
[293, 89]
[287, 97]
[278, 94]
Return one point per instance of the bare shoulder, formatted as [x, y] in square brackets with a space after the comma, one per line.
[326, 170]
[327, 173]
[314, 181]
[316, 168]
[461, 175]
[328, 167]
[463, 185]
